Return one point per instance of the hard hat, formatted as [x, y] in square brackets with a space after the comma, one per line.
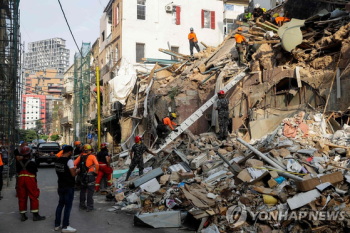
[173, 115]
[25, 150]
[63, 146]
[103, 145]
[257, 5]
[221, 92]
[276, 15]
[191, 29]
[77, 143]
[264, 9]
[138, 138]
[239, 29]
[87, 147]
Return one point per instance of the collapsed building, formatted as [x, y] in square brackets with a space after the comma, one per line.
[288, 147]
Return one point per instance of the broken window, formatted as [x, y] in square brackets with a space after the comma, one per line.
[141, 9]
[140, 52]
[175, 49]
[208, 19]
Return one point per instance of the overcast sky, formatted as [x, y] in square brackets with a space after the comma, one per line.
[43, 19]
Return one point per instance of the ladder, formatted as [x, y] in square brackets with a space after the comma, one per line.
[197, 114]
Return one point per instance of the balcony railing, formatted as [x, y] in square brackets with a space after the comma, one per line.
[67, 90]
[67, 120]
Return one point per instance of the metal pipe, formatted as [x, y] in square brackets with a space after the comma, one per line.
[276, 161]
[260, 154]
[212, 69]
[210, 76]
[235, 169]
[288, 175]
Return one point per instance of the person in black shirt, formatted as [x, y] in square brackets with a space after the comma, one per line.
[66, 172]
[105, 167]
[258, 12]
[27, 186]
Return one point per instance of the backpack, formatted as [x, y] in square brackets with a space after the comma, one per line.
[82, 178]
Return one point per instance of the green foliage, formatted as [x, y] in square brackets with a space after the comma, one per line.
[30, 136]
[54, 137]
[39, 126]
[174, 92]
[44, 137]
[22, 134]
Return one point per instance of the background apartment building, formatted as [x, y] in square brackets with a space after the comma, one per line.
[34, 109]
[45, 54]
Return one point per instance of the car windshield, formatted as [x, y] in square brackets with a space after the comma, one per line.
[48, 145]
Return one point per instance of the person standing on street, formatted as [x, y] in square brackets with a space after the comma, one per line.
[66, 172]
[88, 169]
[27, 186]
[222, 106]
[105, 167]
[136, 155]
[240, 45]
[1, 171]
[192, 37]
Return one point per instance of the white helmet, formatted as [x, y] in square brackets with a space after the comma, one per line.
[257, 5]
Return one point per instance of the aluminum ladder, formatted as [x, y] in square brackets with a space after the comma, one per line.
[199, 113]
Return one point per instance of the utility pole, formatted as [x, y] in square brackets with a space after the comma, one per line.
[98, 109]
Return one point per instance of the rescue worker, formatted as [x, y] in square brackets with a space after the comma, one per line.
[266, 16]
[87, 168]
[166, 126]
[223, 113]
[59, 154]
[258, 12]
[280, 20]
[240, 46]
[136, 155]
[192, 37]
[17, 151]
[105, 167]
[247, 15]
[1, 179]
[78, 149]
[27, 186]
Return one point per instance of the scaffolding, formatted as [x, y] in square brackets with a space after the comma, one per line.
[81, 92]
[10, 87]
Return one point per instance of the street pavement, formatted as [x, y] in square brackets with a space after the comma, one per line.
[96, 221]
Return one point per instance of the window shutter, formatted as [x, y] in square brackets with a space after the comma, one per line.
[213, 20]
[202, 18]
[178, 10]
[116, 15]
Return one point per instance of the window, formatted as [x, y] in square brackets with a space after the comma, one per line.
[116, 15]
[176, 15]
[103, 36]
[140, 52]
[141, 9]
[208, 19]
[175, 49]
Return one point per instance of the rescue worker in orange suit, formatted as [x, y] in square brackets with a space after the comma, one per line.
[240, 46]
[136, 155]
[1, 179]
[88, 168]
[165, 127]
[27, 186]
[59, 154]
[280, 20]
[105, 167]
[192, 37]
[78, 149]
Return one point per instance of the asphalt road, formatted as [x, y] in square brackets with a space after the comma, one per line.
[96, 221]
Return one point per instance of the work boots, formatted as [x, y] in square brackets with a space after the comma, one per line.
[37, 217]
[24, 217]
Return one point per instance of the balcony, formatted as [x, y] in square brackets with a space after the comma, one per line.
[68, 120]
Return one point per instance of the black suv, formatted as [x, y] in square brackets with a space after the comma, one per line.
[46, 152]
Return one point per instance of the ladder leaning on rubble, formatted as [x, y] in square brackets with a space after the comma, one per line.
[197, 114]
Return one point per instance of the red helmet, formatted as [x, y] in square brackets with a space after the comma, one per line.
[221, 92]
[25, 150]
[103, 145]
[138, 138]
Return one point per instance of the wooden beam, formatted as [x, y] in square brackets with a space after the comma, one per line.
[265, 42]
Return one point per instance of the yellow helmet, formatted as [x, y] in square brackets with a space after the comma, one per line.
[264, 9]
[276, 15]
[173, 115]
[87, 147]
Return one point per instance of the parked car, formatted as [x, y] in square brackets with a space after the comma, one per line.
[46, 152]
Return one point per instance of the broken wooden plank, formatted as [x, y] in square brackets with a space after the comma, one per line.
[265, 42]
[271, 24]
[206, 46]
[266, 26]
[297, 73]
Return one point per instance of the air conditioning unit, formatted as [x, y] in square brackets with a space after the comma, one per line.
[169, 8]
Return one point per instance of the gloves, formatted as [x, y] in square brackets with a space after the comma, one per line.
[176, 130]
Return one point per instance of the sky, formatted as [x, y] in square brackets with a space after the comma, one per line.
[43, 19]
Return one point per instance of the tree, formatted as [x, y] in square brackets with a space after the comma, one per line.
[30, 136]
[54, 137]
[44, 137]
[39, 126]
[22, 134]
